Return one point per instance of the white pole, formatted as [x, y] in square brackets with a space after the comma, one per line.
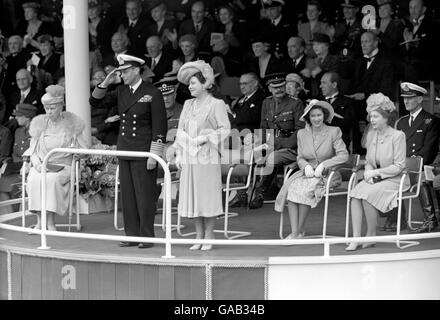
[76, 56]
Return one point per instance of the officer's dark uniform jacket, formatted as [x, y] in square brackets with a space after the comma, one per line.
[21, 143]
[143, 123]
[422, 137]
[173, 121]
[283, 117]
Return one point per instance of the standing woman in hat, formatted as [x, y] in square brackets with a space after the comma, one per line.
[32, 27]
[55, 129]
[320, 147]
[385, 161]
[203, 126]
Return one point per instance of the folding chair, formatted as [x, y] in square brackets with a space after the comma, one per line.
[73, 192]
[413, 169]
[231, 171]
[348, 166]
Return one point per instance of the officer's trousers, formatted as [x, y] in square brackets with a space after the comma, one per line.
[139, 196]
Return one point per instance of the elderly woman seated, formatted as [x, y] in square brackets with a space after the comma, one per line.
[55, 129]
[385, 161]
[320, 147]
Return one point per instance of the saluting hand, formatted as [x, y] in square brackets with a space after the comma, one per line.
[110, 79]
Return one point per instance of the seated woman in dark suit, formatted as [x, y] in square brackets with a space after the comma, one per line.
[319, 147]
[385, 161]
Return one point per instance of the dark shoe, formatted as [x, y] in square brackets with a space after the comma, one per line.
[393, 227]
[240, 200]
[428, 225]
[257, 202]
[145, 245]
[124, 244]
[385, 226]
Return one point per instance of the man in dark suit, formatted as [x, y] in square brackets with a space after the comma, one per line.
[419, 35]
[119, 44]
[200, 26]
[296, 60]
[158, 61]
[344, 107]
[24, 93]
[246, 110]
[143, 128]
[135, 25]
[15, 61]
[374, 73]
[277, 27]
[422, 131]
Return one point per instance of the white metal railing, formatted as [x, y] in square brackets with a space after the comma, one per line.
[168, 240]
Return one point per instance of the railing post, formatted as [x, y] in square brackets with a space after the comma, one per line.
[43, 205]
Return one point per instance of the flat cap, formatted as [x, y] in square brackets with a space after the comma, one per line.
[25, 109]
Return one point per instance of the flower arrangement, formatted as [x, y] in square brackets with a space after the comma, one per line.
[98, 173]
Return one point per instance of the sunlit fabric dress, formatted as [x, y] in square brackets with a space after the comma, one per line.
[46, 136]
[325, 147]
[200, 189]
[387, 155]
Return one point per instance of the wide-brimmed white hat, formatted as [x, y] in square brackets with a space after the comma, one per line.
[321, 103]
[189, 69]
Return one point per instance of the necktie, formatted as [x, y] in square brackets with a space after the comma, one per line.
[197, 27]
[153, 64]
[411, 120]
[294, 62]
[131, 90]
[22, 98]
[131, 25]
[329, 100]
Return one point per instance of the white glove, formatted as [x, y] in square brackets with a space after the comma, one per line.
[170, 153]
[178, 162]
[308, 171]
[200, 140]
[318, 171]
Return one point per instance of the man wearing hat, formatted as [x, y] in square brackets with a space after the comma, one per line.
[168, 88]
[143, 126]
[280, 115]
[277, 28]
[422, 131]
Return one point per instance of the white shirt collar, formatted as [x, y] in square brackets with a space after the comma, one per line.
[277, 20]
[136, 86]
[334, 95]
[372, 54]
[415, 114]
[132, 21]
[298, 60]
[351, 22]
[156, 60]
[419, 20]
[25, 92]
[249, 96]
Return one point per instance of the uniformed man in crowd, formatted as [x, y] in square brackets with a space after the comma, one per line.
[422, 131]
[168, 88]
[280, 124]
[10, 182]
[278, 28]
[143, 127]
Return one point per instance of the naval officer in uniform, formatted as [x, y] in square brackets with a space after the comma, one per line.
[422, 130]
[143, 127]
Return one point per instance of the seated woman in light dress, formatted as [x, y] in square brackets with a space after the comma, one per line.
[55, 129]
[203, 125]
[385, 161]
[320, 147]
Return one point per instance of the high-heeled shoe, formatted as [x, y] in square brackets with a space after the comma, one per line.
[368, 245]
[196, 247]
[352, 246]
[206, 247]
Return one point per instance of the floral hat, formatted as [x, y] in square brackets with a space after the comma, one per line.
[189, 69]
